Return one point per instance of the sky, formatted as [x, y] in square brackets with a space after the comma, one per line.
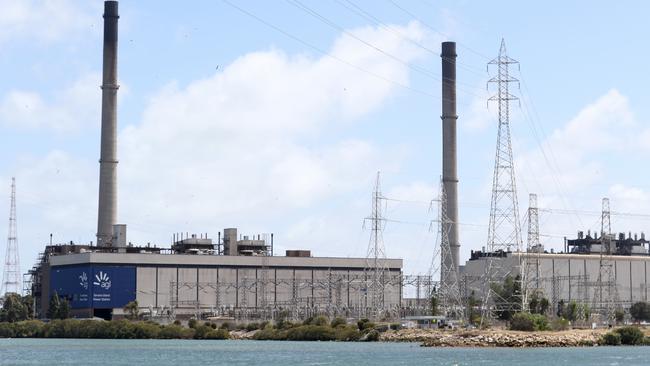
[275, 117]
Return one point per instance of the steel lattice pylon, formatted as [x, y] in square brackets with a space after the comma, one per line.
[376, 254]
[504, 232]
[533, 249]
[11, 278]
[449, 292]
[605, 292]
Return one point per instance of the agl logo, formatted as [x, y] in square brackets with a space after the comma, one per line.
[102, 280]
[84, 280]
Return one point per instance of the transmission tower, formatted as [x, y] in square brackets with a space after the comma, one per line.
[605, 221]
[449, 292]
[11, 278]
[376, 254]
[504, 232]
[605, 291]
[533, 249]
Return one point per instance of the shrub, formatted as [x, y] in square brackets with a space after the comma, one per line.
[191, 323]
[395, 326]
[311, 333]
[611, 339]
[522, 321]
[217, 334]
[28, 329]
[337, 321]
[226, 326]
[372, 336]
[177, 322]
[560, 324]
[269, 334]
[640, 311]
[630, 335]
[252, 326]
[7, 330]
[201, 331]
[174, 332]
[347, 333]
[365, 324]
[320, 321]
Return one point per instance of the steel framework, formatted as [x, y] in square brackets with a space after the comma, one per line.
[11, 277]
[504, 232]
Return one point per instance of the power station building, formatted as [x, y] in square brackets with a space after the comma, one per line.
[101, 283]
[593, 270]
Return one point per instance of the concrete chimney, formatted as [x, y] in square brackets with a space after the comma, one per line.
[449, 162]
[107, 212]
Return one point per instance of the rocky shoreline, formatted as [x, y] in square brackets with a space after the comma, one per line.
[495, 338]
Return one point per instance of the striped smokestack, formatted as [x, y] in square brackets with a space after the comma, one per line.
[107, 211]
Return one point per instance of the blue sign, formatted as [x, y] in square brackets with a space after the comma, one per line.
[94, 286]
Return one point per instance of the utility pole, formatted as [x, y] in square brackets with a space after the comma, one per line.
[504, 233]
[11, 278]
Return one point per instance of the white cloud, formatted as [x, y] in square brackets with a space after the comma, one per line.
[69, 110]
[254, 146]
[43, 20]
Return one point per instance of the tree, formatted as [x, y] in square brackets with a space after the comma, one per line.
[59, 307]
[619, 316]
[538, 304]
[640, 311]
[53, 307]
[433, 304]
[132, 310]
[473, 311]
[507, 299]
[13, 309]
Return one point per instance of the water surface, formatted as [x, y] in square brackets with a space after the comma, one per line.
[217, 352]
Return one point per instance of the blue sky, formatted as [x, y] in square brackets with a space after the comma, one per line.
[226, 121]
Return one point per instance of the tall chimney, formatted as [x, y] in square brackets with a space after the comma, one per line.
[107, 212]
[449, 165]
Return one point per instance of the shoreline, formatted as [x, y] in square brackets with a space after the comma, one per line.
[494, 338]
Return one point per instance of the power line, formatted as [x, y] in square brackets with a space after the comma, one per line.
[332, 24]
[325, 53]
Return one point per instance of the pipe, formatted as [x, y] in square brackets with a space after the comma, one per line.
[449, 162]
[107, 208]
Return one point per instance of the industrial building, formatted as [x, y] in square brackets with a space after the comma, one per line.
[597, 271]
[172, 283]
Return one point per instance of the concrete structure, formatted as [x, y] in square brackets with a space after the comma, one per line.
[214, 285]
[107, 209]
[567, 277]
[449, 150]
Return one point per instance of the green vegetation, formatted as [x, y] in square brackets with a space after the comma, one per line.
[640, 311]
[433, 304]
[529, 322]
[630, 336]
[611, 339]
[59, 307]
[132, 310]
[619, 316]
[319, 329]
[507, 297]
[117, 329]
[560, 324]
[573, 311]
[16, 308]
[538, 304]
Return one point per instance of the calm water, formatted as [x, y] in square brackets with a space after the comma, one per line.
[186, 353]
